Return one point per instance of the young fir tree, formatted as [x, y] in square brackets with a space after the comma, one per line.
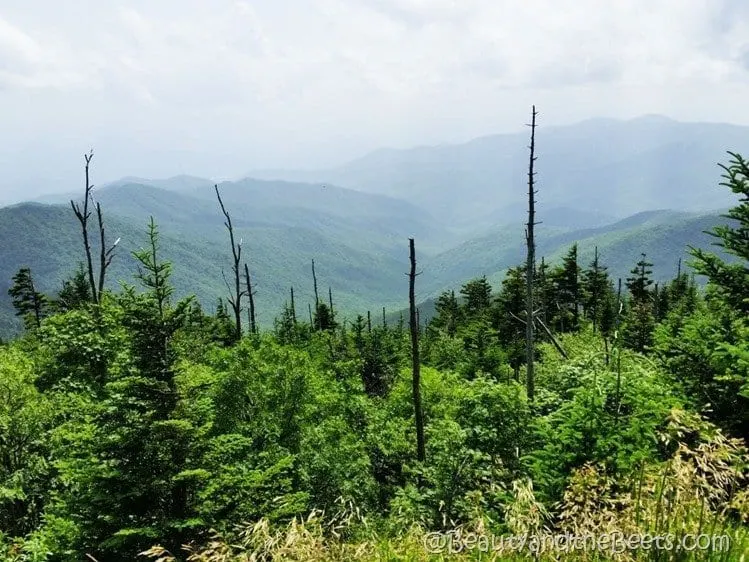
[323, 319]
[141, 448]
[75, 292]
[477, 295]
[509, 313]
[639, 283]
[637, 332]
[30, 304]
[566, 280]
[595, 286]
[448, 314]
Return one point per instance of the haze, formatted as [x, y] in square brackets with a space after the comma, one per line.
[219, 88]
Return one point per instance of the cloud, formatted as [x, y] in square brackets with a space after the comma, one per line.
[290, 82]
[228, 53]
[25, 63]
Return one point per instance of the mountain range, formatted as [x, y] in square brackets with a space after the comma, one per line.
[646, 185]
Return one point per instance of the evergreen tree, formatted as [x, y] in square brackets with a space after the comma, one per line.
[286, 326]
[730, 280]
[566, 281]
[142, 447]
[637, 332]
[75, 292]
[324, 319]
[447, 313]
[607, 316]
[595, 286]
[544, 296]
[30, 304]
[477, 295]
[639, 283]
[508, 317]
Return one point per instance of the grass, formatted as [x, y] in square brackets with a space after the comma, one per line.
[696, 492]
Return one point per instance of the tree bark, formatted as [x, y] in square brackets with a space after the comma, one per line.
[416, 368]
[530, 266]
[235, 300]
[83, 216]
[251, 298]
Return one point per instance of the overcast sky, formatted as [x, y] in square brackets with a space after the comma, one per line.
[217, 88]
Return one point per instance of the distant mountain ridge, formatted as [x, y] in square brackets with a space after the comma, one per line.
[613, 167]
[363, 259]
[600, 183]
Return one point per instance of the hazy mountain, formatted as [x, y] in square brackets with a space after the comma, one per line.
[362, 257]
[464, 204]
[600, 166]
[47, 239]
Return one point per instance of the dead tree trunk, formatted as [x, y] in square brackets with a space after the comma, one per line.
[416, 366]
[330, 300]
[595, 296]
[530, 265]
[293, 307]
[235, 298]
[83, 215]
[317, 298]
[384, 320]
[619, 306]
[251, 298]
[107, 254]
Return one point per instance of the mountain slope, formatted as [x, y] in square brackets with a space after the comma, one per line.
[361, 256]
[663, 235]
[47, 239]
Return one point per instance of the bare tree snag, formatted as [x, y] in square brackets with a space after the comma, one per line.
[314, 281]
[384, 320]
[83, 215]
[235, 297]
[551, 337]
[317, 298]
[416, 366]
[369, 322]
[530, 265]
[251, 298]
[107, 254]
[293, 307]
[330, 300]
[619, 307]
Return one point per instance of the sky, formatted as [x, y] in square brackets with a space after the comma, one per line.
[219, 88]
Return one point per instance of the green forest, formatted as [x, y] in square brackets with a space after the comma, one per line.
[135, 425]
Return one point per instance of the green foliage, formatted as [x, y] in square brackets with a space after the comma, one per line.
[731, 281]
[140, 421]
[25, 416]
[565, 279]
[75, 292]
[597, 414]
[640, 282]
[29, 303]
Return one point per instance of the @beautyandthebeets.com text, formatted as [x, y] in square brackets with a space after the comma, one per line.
[456, 541]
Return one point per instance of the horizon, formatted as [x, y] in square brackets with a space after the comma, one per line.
[261, 173]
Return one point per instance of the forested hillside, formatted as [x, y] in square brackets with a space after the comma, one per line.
[581, 396]
[355, 238]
